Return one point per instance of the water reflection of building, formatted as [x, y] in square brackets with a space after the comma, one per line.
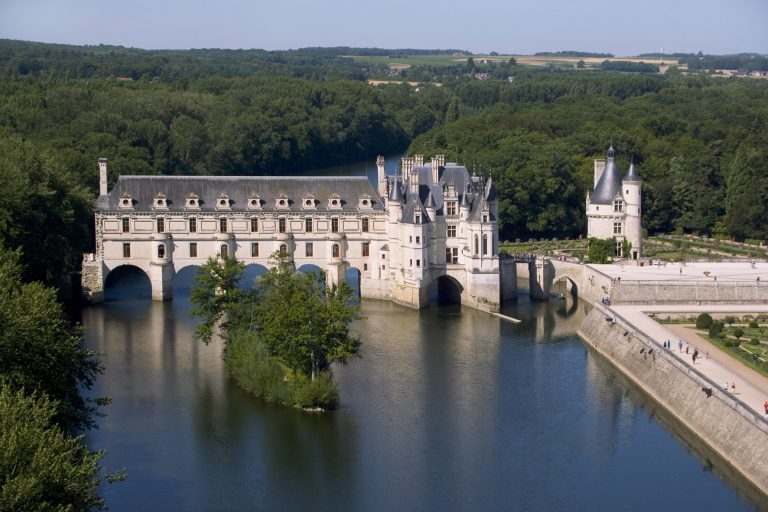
[432, 225]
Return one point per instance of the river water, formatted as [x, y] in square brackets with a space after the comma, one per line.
[446, 409]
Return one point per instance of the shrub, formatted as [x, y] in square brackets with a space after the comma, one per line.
[728, 343]
[730, 320]
[704, 321]
[738, 332]
[753, 325]
[754, 341]
[715, 329]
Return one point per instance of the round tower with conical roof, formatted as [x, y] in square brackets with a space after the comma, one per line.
[633, 210]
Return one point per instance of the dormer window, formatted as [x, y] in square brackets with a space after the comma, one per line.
[618, 205]
[125, 201]
[365, 203]
[192, 200]
[223, 201]
[334, 202]
[282, 202]
[308, 202]
[254, 202]
[161, 201]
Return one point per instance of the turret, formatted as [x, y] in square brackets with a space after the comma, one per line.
[465, 204]
[431, 207]
[633, 200]
[102, 176]
[395, 200]
[381, 175]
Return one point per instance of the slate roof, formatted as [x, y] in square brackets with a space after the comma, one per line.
[609, 183]
[240, 189]
[632, 173]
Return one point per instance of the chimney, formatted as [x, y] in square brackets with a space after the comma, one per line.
[407, 168]
[102, 176]
[419, 160]
[436, 164]
[382, 176]
[414, 183]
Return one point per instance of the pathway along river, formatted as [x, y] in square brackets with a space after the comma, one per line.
[448, 409]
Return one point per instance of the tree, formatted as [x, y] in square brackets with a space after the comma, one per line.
[302, 322]
[626, 248]
[738, 332]
[581, 64]
[40, 351]
[600, 250]
[40, 467]
[216, 294]
[704, 321]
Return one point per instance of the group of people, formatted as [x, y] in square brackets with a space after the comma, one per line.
[695, 355]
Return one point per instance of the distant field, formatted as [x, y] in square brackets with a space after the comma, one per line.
[527, 60]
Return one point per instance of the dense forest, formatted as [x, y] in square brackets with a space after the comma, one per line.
[699, 142]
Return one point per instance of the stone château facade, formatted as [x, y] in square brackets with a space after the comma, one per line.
[431, 224]
[614, 206]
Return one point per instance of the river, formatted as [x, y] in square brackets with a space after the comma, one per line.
[446, 409]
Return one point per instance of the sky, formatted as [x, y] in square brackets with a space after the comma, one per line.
[621, 27]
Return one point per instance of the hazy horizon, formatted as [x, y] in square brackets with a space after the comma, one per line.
[599, 26]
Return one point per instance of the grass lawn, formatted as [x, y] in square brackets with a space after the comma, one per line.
[754, 356]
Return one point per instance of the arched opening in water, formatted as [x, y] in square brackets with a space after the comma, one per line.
[251, 275]
[352, 278]
[312, 269]
[447, 290]
[127, 282]
[184, 279]
[564, 286]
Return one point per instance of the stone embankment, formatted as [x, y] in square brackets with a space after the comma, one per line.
[718, 418]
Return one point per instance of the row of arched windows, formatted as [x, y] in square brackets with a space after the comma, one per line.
[224, 250]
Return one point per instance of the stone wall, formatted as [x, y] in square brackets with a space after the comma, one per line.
[92, 280]
[722, 421]
[708, 292]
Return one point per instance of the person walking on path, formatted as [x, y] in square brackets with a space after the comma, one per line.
[766, 407]
[733, 388]
[680, 346]
[695, 355]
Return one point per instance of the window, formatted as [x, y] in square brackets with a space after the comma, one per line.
[161, 225]
[126, 250]
[281, 225]
[193, 250]
[334, 225]
[418, 263]
[617, 228]
[410, 262]
[451, 233]
[161, 251]
[222, 225]
[335, 250]
[477, 245]
[365, 266]
[254, 250]
[485, 218]
[254, 225]
[447, 254]
[618, 206]
[410, 239]
[310, 250]
[485, 244]
[450, 208]
[418, 239]
[417, 220]
[383, 256]
[193, 225]
[126, 225]
[365, 225]
[308, 225]
[454, 255]
[283, 249]
[224, 251]
[366, 249]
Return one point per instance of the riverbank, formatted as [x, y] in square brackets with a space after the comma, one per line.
[724, 421]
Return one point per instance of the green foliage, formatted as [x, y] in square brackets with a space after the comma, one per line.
[730, 320]
[40, 467]
[302, 322]
[704, 321]
[628, 66]
[738, 332]
[754, 341]
[39, 350]
[753, 325]
[44, 209]
[715, 328]
[599, 250]
[282, 336]
[626, 248]
[215, 294]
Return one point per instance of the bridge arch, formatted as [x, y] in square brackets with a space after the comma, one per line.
[352, 277]
[314, 269]
[250, 276]
[184, 278]
[447, 290]
[127, 282]
[562, 283]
